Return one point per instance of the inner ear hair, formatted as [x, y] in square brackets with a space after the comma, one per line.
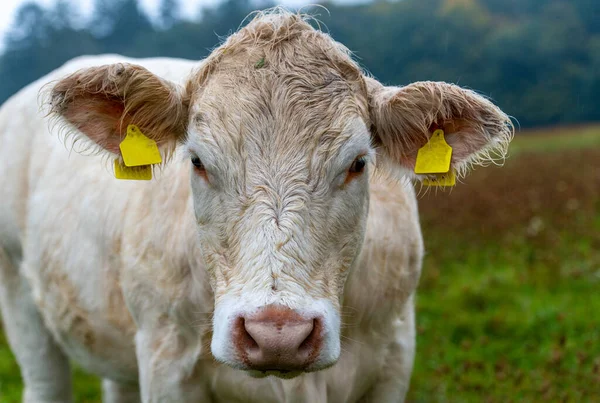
[101, 102]
[405, 117]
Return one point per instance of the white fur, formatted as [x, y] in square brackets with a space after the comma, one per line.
[229, 308]
[115, 272]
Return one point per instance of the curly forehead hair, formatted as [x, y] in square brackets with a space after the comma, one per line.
[281, 41]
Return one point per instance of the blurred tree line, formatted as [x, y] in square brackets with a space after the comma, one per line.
[538, 59]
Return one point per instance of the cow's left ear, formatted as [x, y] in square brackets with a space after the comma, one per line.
[404, 119]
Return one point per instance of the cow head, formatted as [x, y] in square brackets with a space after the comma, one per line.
[282, 130]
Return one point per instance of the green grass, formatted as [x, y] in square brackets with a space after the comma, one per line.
[87, 387]
[508, 308]
[496, 322]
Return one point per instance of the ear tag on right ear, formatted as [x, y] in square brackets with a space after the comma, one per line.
[138, 149]
[139, 154]
[435, 156]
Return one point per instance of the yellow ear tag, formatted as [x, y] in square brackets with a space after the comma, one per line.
[139, 154]
[447, 179]
[435, 156]
[138, 149]
[141, 173]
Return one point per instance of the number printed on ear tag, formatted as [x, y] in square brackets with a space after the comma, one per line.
[138, 149]
[435, 156]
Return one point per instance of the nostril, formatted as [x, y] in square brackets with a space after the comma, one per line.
[278, 339]
[311, 345]
[242, 337]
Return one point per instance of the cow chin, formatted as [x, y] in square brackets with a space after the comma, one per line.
[276, 339]
[277, 374]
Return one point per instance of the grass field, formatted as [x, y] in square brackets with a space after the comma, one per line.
[509, 301]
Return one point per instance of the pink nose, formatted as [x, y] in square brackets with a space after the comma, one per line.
[278, 339]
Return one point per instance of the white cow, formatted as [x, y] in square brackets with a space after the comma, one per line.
[264, 263]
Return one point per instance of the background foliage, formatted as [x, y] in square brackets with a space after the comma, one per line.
[538, 59]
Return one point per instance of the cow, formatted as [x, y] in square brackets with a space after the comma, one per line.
[275, 255]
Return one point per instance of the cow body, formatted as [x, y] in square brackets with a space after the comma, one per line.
[71, 231]
[270, 260]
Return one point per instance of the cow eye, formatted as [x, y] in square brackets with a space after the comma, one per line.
[198, 165]
[358, 165]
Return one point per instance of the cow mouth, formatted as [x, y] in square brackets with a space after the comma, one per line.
[278, 373]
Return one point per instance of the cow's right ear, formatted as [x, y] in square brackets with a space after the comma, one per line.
[101, 102]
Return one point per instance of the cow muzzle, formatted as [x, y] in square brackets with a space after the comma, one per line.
[277, 339]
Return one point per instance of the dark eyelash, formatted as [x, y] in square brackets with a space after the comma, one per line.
[197, 163]
[358, 165]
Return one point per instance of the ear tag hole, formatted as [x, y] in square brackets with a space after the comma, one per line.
[139, 154]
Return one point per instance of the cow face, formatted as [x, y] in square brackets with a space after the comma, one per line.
[281, 158]
[282, 131]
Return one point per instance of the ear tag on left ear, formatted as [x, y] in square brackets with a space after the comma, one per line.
[138, 149]
[435, 156]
